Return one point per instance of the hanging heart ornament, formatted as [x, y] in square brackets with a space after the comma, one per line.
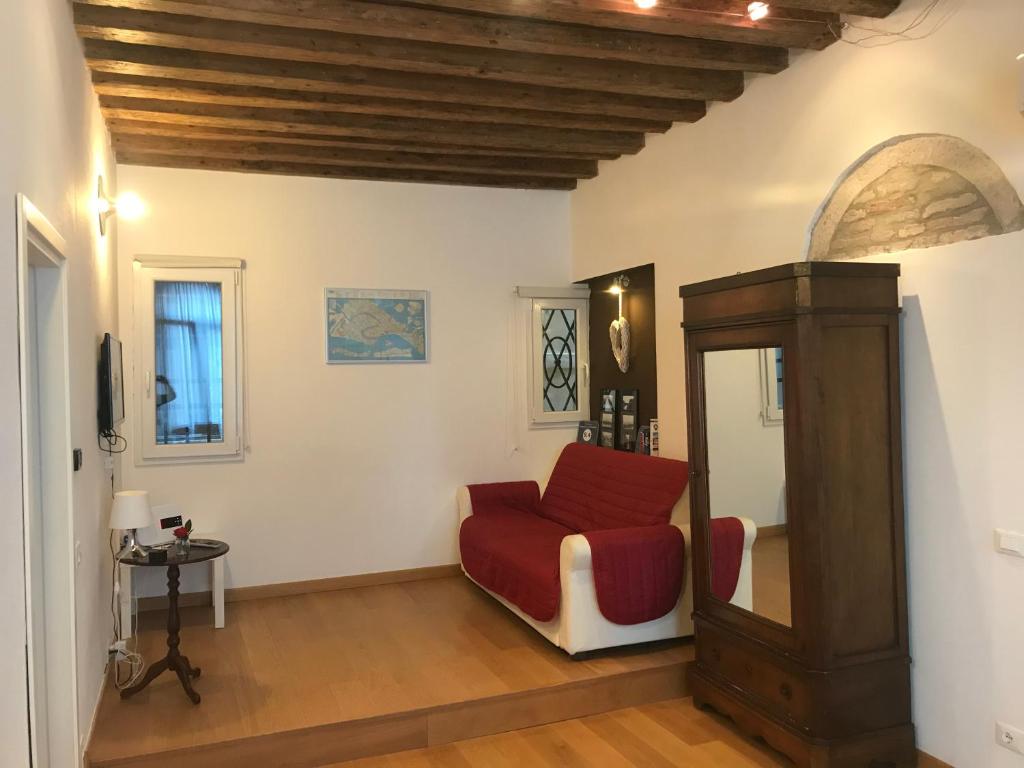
[619, 334]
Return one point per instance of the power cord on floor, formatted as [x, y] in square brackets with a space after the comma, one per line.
[122, 655]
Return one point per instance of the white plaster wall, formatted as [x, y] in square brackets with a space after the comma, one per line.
[52, 147]
[738, 190]
[746, 457]
[353, 469]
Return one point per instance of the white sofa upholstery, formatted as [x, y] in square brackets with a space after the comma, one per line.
[579, 625]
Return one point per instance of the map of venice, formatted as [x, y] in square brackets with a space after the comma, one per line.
[369, 326]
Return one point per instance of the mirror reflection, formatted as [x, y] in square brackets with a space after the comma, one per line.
[746, 466]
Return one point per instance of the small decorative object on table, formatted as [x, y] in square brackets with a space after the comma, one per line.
[643, 441]
[182, 542]
[588, 432]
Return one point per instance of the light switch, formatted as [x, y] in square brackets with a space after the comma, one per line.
[1010, 542]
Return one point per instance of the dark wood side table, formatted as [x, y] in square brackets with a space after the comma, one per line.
[174, 661]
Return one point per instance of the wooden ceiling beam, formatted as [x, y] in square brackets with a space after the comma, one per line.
[878, 9]
[111, 84]
[153, 61]
[340, 172]
[398, 22]
[306, 45]
[726, 20]
[184, 130]
[332, 123]
[290, 153]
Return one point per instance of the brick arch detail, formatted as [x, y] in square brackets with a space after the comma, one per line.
[914, 191]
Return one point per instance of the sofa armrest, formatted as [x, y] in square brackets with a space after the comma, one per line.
[743, 597]
[523, 495]
[575, 554]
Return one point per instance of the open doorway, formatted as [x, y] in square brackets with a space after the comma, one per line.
[46, 491]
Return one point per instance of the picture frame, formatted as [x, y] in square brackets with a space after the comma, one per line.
[376, 326]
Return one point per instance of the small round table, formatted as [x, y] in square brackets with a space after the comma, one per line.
[174, 660]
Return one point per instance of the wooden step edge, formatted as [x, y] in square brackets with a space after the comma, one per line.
[430, 726]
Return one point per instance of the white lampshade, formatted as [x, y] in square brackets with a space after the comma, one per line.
[130, 510]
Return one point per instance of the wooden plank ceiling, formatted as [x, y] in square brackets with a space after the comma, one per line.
[506, 93]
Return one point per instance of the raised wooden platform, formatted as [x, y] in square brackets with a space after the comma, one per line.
[308, 680]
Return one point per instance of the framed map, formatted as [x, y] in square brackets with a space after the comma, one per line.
[376, 326]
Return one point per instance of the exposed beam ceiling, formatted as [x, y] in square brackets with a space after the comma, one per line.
[523, 93]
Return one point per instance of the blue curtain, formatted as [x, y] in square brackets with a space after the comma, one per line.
[189, 362]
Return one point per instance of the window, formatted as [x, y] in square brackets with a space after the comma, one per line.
[560, 371]
[772, 388]
[188, 360]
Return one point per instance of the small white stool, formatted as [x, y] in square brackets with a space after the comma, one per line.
[216, 584]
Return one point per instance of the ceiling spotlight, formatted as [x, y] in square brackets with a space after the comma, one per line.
[645, 4]
[757, 10]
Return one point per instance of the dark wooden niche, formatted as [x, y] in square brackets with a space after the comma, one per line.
[638, 307]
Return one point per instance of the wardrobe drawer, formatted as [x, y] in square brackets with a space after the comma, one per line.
[756, 673]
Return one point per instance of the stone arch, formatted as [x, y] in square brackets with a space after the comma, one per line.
[914, 191]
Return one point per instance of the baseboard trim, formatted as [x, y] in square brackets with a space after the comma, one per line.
[767, 531]
[924, 760]
[289, 588]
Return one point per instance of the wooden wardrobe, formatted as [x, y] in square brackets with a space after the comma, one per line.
[793, 393]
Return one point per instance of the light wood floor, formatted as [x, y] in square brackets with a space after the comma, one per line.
[290, 663]
[771, 579]
[670, 733]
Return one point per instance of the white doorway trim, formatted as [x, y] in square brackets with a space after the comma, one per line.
[48, 515]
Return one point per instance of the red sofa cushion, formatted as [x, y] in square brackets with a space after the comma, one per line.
[515, 554]
[595, 488]
[638, 572]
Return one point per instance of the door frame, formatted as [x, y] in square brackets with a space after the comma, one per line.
[41, 245]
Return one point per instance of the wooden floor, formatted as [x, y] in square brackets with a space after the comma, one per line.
[399, 666]
[771, 579]
[670, 733]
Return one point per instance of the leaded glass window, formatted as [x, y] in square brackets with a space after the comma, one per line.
[560, 374]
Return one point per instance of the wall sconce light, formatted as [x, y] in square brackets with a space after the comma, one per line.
[618, 332]
[128, 206]
[645, 4]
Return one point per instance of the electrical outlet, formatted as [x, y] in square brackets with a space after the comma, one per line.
[118, 646]
[1010, 738]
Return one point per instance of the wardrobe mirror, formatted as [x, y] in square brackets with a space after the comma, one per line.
[746, 466]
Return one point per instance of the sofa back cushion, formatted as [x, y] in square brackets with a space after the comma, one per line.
[594, 489]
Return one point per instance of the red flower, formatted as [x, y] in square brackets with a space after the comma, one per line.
[181, 533]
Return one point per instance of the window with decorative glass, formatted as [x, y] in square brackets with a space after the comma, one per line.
[188, 361]
[559, 381]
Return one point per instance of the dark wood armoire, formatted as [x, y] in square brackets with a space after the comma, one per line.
[793, 395]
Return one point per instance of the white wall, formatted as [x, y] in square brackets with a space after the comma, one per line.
[353, 469]
[746, 457]
[52, 147]
[738, 190]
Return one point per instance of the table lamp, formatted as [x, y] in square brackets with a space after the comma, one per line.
[129, 513]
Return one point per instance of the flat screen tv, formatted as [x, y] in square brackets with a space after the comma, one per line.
[111, 385]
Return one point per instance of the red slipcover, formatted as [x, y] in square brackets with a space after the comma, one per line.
[727, 536]
[638, 572]
[514, 554]
[622, 501]
[595, 488]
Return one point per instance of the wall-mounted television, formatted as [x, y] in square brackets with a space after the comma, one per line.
[111, 385]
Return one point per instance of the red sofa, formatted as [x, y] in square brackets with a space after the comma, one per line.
[599, 559]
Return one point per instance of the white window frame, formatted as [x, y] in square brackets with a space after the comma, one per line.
[771, 411]
[577, 299]
[227, 272]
